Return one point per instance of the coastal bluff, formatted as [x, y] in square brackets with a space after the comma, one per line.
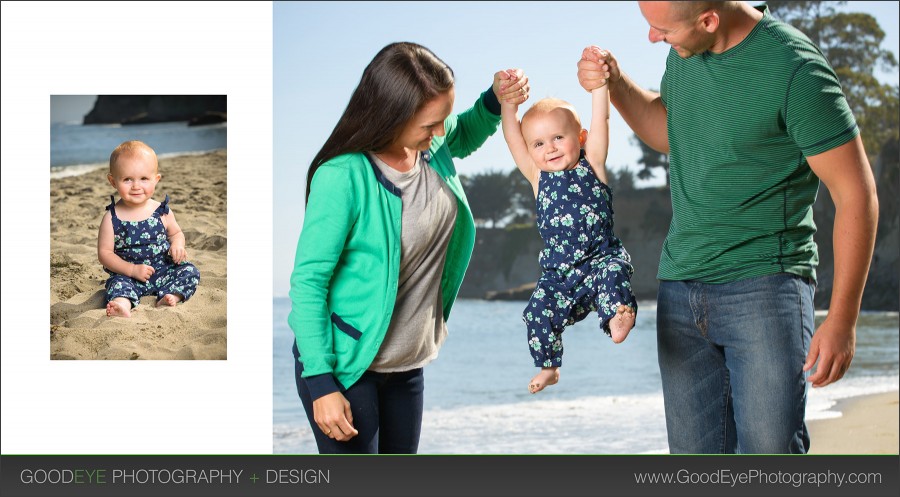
[146, 109]
[505, 266]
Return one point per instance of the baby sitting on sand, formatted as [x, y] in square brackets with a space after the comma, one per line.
[140, 244]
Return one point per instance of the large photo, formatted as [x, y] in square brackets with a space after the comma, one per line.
[456, 198]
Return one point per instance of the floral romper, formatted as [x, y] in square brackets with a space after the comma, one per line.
[146, 242]
[585, 267]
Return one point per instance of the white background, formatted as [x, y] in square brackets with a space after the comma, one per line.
[135, 407]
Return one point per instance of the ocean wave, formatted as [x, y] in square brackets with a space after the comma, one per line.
[619, 424]
[57, 172]
[189, 154]
[820, 402]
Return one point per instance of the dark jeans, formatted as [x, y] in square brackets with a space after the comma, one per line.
[387, 412]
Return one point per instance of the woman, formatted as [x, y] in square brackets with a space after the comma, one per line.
[386, 239]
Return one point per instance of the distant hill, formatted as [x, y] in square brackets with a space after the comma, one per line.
[144, 109]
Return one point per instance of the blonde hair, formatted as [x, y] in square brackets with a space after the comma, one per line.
[547, 105]
[131, 148]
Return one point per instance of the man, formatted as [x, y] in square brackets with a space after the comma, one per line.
[752, 117]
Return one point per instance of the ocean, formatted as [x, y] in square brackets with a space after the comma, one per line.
[76, 148]
[608, 400]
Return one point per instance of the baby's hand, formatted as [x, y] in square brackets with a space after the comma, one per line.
[142, 272]
[178, 253]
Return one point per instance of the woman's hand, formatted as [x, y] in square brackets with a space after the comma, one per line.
[333, 416]
[511, 86]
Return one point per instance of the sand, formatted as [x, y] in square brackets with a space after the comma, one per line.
[196, 329]
[868, 425]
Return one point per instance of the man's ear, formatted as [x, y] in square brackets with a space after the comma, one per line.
[710, 20]
[582, 137]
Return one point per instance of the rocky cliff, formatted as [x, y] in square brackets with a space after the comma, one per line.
[504, 262]
[143, 109]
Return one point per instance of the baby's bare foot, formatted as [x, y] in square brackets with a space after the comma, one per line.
[118, 307]
[168, 299]
[621, 324]
[547, 377]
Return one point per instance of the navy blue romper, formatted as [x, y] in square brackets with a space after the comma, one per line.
[146, 242]
[585, 267]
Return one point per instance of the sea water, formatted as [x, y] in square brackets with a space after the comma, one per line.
[77, 148]
[608, 400]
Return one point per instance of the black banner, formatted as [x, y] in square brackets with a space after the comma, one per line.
[448, 475]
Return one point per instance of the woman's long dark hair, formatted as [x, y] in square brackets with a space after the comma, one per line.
[394, 86]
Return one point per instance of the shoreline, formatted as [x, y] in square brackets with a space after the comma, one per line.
[70, 170]
[868, 424]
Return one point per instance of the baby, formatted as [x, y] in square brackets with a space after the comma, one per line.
[585, 268]
[140, 244]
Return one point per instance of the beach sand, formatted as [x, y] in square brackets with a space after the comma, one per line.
[196, 329]
[868, 425]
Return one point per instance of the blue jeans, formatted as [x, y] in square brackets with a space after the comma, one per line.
[731, 359]
[387, 412]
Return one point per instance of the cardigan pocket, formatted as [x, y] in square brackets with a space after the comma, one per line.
[344, 326]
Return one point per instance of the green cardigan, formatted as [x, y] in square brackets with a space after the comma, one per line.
[344, 283]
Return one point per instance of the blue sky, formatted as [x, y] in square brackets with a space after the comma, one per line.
[321, 48]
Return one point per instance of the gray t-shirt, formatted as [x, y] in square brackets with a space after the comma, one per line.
[417, 327]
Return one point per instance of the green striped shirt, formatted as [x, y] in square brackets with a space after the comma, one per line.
[741, 124]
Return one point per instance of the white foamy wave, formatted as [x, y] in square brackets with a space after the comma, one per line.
[821, 401]
[624, 424]
[188, 154]
[293, 438]
[628, 424]
[75, 170]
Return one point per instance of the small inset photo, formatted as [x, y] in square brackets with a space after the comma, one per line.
[138, 227]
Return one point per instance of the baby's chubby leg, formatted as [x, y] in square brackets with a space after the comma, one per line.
[176, 284]
[547, 377]
[119, 306]
[621, 323]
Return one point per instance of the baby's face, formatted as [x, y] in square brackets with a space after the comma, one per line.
[135, 177]
[553, 139]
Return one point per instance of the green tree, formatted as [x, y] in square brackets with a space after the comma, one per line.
[851, 41]
[490, 196]
[523, 203]
[650, 159]
[622, 180]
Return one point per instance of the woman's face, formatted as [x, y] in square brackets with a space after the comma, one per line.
[427, 123]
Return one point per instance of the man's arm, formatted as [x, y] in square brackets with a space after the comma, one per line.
[643, 110]
[846, 173]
